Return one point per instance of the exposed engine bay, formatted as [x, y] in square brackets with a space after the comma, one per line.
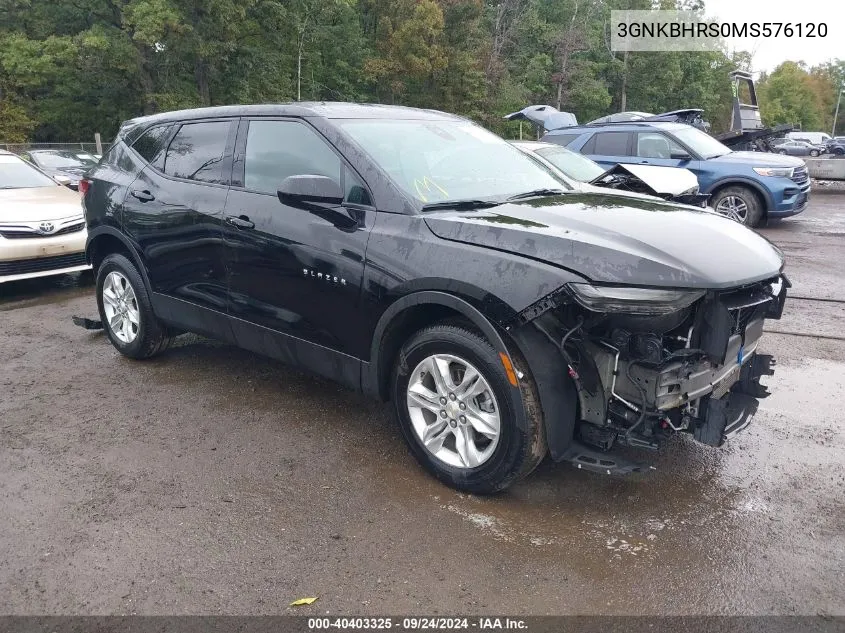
[679, 362]
[679, 185]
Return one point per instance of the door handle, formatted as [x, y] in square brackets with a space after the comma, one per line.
[644, 162]
[143, 196]
[240, 221]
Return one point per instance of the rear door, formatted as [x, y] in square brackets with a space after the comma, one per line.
[610, 148]
[173, 212]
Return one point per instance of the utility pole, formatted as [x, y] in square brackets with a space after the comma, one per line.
[836, 114]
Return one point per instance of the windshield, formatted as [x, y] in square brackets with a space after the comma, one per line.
[574, 165]
[63, 159]
[16, 174]
[437, 161]
[700, 142]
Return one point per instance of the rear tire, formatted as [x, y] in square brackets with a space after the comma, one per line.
[438, 432]
[126, 311]
[739, 203]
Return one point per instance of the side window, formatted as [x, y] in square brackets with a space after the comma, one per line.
[655, 145]
[151, 145]
[612, 143]
[278, 149]
[590, 146]
[197, 151]
[563, 139]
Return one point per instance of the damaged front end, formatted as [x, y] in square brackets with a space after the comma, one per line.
[675, 184]
[648, 362]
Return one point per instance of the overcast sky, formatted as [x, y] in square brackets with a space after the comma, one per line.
[769, 53]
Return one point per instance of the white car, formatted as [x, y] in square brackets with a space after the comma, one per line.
[42, 226]
[583, 174]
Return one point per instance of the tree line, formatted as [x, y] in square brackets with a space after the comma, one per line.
[70, 68]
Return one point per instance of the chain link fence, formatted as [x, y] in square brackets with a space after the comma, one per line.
[90, 148]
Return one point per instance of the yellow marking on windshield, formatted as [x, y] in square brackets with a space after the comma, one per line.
[427, 185]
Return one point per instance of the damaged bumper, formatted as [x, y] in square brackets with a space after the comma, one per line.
[640, 378]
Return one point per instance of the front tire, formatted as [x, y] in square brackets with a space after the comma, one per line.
[814, 152]
[740, 204]
[452, 400]
[126, 311]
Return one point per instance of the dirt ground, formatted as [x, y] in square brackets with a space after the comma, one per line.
[210, 480]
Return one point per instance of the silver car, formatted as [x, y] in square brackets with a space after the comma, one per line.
[798, 148]
[42, 227]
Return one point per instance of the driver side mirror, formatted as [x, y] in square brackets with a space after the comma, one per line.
[680, 156]
[319, 195]
[307, 191]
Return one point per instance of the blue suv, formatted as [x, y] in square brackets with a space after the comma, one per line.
[746, 186]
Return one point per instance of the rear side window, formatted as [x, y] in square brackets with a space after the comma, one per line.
[197, 151]
[152, 145]
[562, 139]
[611, 143]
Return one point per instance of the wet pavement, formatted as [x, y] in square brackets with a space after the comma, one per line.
[211, 480]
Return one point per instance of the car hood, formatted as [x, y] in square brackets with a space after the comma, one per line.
[38, 203]
[659, 180]
[762, 159]
[611, 239]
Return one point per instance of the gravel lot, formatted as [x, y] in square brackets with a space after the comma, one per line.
[210, 480]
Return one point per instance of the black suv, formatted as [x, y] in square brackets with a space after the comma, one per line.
[416, 256]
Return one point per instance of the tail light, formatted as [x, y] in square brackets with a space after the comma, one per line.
[84, 185]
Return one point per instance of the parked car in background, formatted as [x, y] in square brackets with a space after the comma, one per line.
[836, 146]
[799, 148]
[42, 228]
[583, 174]
[746, 186]
[415, 256]
[816, 138]
[62, 164]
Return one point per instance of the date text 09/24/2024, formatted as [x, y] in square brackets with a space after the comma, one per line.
[418, 624]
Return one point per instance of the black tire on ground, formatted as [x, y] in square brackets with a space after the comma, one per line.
[518, 452]
[838, 151]
[748, 196]
[814, 152]
[780, 151]
[152, 337]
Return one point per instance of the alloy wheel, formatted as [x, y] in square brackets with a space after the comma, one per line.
[733, 207]
[121, 307]
[453, 411]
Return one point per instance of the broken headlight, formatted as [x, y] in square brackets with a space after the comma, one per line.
[633, 300]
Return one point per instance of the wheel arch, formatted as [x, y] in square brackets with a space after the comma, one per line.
[558, 399]
[105, 240]
[764, 196]
[409, 314]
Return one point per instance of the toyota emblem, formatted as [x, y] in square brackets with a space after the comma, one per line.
[46, 228]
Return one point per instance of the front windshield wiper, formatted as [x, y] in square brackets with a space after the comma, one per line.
[536, 193]
[461, 205]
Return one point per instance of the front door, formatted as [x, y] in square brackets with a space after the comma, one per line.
[294, 276]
